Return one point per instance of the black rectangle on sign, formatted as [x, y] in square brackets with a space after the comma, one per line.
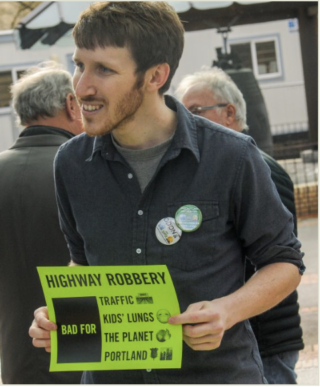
[79, 329]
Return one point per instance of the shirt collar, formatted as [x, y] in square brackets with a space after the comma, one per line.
[185, 136]
[35, 130]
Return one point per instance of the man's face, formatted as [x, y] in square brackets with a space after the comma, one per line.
[106, 87]
[200, 95]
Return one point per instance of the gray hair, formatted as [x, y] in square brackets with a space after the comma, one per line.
[221, 85]
[41, 92]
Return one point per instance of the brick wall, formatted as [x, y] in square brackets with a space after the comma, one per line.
[306, 199]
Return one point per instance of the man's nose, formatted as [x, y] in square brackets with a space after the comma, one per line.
[84, 85]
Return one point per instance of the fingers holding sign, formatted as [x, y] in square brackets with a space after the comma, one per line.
[40, 329]
[203, 326]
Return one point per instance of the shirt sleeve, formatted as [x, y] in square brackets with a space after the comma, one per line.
[66, 218]
[263, 223]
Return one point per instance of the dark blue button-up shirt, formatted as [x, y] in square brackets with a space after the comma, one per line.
[108, 221]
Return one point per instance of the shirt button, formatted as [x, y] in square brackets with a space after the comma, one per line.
[138, 251]
[148, 370]
[130, 175]
[140, 212]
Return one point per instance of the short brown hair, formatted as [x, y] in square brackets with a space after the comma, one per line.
[151, 30]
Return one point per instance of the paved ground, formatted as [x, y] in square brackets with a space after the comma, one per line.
[307, 367]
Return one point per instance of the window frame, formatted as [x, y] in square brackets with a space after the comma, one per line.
[252, 42]
[6, 109]
[14, 76]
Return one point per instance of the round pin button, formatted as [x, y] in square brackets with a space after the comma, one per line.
[167, 232]
[188, 218]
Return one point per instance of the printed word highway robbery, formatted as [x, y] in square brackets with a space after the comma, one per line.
[84, 280]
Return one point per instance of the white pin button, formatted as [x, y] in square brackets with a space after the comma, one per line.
[167, 232]
[140, 212]
[130, 175]
[138, 251]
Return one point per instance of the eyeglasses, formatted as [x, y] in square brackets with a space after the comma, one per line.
[199, 109]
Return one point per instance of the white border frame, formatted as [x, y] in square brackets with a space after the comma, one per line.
[255, 58]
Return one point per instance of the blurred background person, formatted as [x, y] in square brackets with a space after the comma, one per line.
[212, 94]
[30, 235]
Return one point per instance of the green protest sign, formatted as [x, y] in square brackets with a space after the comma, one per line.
[112, 317]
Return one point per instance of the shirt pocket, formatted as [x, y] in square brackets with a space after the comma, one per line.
[196, 248]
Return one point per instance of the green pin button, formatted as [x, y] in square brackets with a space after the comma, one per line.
[188, 218]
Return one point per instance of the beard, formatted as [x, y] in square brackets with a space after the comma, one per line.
[124, 112]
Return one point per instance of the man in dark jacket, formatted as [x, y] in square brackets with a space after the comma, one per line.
[29, 229]
[212, 94]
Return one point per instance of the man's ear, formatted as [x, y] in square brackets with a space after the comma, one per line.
[231, 114]
[157, 76]
[71, 107]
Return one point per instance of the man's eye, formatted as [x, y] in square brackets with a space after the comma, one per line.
[104, 70]
[79, 66]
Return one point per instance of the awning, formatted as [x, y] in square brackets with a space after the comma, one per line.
[51, 21]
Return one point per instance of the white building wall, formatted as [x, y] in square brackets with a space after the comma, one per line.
[7, 134]
[13, 57]
[286, 106]
[199, 51]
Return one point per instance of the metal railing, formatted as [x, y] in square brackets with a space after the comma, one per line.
[299, 157]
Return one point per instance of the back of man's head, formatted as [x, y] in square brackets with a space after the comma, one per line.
[41, 92]
[222, 87]
[150, 30]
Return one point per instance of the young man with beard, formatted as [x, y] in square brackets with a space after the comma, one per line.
[143, 157]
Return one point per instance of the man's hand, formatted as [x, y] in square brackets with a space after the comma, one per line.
[204, 324]
[40, 329]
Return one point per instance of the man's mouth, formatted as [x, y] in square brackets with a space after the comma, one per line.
[91, 108]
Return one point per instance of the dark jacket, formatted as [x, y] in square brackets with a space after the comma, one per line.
[278, 330]
[29, 237]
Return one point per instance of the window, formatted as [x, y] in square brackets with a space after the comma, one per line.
[6, 79]
[266, 57]
[261, 55]
[5, 82]
[243, 53]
